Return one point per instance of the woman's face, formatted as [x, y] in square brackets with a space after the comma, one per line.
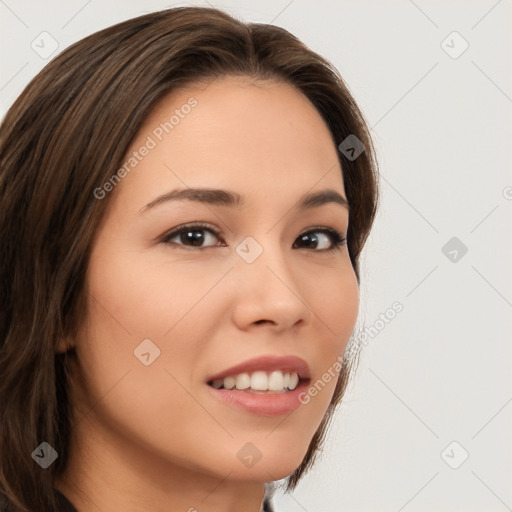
[170, 312]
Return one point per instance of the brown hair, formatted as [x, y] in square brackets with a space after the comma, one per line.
[65, 135]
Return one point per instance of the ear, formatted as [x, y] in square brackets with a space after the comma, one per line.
[64, 345]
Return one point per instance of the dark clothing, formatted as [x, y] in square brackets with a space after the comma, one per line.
[66, 506]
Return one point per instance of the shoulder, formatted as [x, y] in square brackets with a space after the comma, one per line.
[64, 504]
[67, 506]
[267, 506]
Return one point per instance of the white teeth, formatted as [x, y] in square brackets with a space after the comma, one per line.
[243, 381]
[276, 381]
[294, 380]
[229, 382]
[259, 381]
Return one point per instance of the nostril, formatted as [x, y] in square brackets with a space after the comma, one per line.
[262, 321]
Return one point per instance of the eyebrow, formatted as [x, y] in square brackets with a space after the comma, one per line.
[234, 200]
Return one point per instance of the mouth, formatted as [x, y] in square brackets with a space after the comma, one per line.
[260, 382]
[265, 386]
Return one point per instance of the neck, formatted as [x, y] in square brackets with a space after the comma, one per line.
[109, 474]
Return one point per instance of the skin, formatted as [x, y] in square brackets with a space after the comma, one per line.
[152, 437]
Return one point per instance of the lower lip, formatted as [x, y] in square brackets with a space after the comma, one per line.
[262, 404]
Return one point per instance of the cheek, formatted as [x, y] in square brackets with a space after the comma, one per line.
[131, 301]
[148, 297]
[342, 305]
[335, 304]
[140, 339]
[336, 307]
[147, 404]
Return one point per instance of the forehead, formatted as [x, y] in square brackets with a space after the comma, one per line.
[256, 137]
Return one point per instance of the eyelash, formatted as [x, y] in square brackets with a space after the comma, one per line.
[337, 239]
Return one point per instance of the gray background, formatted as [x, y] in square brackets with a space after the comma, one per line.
[439, 372]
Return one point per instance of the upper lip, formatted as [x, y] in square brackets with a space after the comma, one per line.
[288, 364]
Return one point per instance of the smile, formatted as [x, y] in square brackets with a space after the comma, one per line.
[259, 382]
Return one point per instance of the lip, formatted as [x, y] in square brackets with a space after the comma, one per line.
[264, 404]
[261, 404]
[267, 363]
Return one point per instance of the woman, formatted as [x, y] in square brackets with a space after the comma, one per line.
[185, 198]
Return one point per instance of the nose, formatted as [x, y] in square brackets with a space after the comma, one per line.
[268, 292]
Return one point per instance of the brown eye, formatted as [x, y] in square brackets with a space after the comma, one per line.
[193, 235]
[327, 236]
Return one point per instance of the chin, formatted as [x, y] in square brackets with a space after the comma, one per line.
[264, 472]
[267, 461]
